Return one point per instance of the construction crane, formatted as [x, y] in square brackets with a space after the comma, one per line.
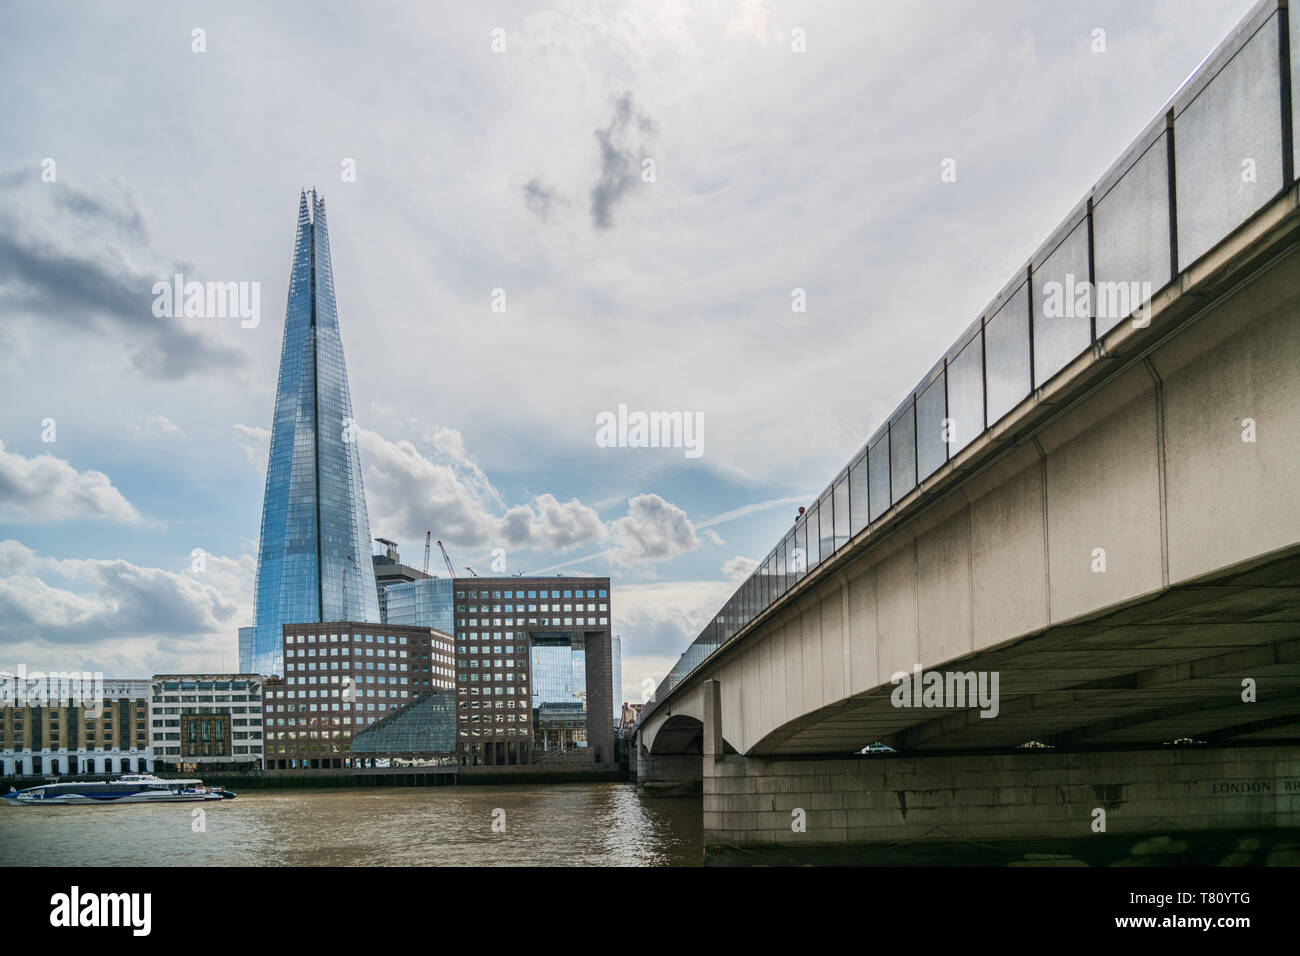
[427, 536]
[446, 560]
[471, 570]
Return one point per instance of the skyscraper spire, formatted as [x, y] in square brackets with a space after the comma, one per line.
[315, 531]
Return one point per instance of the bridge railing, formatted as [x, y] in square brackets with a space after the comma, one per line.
[1226, 145]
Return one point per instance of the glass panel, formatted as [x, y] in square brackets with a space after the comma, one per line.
[780, 569]
[966, 394]
[814, 538]
[787, 563]
[902, 453]
[826, 519]
[878, 469]
[858, 496]
[1062, 305]
[1233, 119]
[799, 554]
[931, 410]
[1130, 238]
[1006, 349]
[842, 512]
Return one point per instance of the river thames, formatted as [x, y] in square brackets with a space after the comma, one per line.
[575, 824]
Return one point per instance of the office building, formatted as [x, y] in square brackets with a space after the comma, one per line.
[517, 634]
[342, 677]
[313, 560]
[67, 724]
[203, 722]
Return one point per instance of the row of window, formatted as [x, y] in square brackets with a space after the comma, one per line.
[304, 706]
[510, 608]
[479, 623]
[496, 595]
[346, 652]
[334, 666]
[488, 662]
[347, 678]
[334, 639]
[493, 678]
[489, 705]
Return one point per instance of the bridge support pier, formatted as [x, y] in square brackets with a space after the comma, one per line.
[670, 775]
[1176, 805]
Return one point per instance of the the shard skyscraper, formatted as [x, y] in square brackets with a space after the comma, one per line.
[313, 562]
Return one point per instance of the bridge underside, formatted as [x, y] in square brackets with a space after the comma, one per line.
[1167, 667]
[680, 734]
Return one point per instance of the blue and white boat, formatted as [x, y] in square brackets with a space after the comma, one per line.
[131, 788]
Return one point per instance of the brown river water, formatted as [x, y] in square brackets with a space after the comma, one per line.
[605, 824]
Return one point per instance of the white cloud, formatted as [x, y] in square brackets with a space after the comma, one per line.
[449, 446]
[657, 621]
[156, 426]
[45, 489]
[256, 445]
[652, 530]
[744, 511]
[562, 526]
[408, 493]
[739, 568]
[118, 617]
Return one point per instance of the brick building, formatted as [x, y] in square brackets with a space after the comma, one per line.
[534, 674]
[340, 678]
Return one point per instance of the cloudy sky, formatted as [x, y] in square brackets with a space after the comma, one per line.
[794, 146]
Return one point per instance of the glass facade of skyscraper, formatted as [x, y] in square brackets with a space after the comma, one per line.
[314, 558]
[423, 603]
